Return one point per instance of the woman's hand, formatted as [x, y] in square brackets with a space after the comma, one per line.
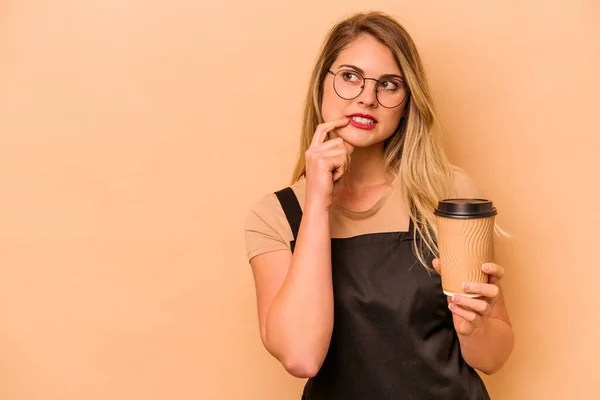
[470, 314]
[326, 163]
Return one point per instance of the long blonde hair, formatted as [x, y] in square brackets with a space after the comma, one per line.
[414, 151]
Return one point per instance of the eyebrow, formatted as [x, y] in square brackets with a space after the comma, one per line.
[363, 72]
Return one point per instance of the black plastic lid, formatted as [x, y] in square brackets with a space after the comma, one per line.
[465, 208]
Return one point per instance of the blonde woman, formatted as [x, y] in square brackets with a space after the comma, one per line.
[342, 259]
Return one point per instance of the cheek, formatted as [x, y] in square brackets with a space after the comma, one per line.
[391, 122]
[332, 107]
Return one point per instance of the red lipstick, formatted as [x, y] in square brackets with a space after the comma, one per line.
[362, 124]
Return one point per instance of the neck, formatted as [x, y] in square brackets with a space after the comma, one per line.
[366, 169]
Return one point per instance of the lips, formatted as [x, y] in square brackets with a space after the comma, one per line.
[363, 121]
[363, 116]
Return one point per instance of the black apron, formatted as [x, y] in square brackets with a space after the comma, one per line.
[393, 336]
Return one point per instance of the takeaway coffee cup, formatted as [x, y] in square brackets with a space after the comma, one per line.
[465, 241]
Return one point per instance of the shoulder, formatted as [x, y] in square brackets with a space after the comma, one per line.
[266, 226]
[464, 185]
[268, 206]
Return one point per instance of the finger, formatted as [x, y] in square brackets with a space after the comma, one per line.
[467, 315]
[318, 138]
[324, 152]
[337, 142]
[341, 141]
[494, 271]
[436, 265]
[339, 175]
[326, 127]
[481, 307]
[488, 290]
[339, 168]
[349, 147]
[329, 156]
[327, 151]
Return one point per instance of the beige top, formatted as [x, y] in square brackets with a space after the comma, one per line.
[267, 228]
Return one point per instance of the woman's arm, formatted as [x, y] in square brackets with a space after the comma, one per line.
[483, 325]
[488, 348]
[295, 292]
[295, 297]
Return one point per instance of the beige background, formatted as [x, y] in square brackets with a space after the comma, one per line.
[135, 135]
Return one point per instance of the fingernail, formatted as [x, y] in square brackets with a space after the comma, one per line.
[452, 306]
[486, 267]
[456, 299]
[466, 286]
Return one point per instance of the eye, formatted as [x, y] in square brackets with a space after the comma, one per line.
[350, 76]
[390, 85]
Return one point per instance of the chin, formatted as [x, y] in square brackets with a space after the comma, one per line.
[360, 137]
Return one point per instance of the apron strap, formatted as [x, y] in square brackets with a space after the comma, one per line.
[293, 211]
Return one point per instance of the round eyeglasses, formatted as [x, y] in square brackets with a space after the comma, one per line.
[349, 84]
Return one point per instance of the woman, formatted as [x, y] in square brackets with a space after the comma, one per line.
[342, 259]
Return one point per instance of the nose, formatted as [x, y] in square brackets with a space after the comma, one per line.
[368, 96]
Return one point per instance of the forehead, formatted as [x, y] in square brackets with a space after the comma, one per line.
[371, 56]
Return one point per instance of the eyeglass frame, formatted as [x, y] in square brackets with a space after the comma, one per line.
[363, 87]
